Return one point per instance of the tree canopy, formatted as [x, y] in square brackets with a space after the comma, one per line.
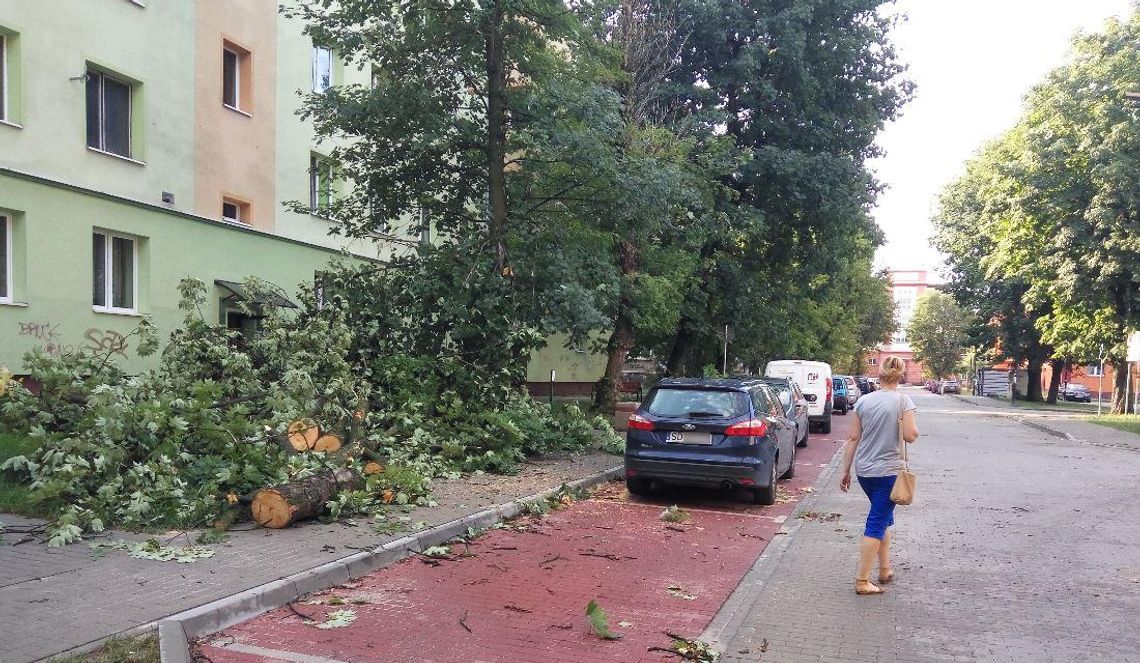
[938, 332]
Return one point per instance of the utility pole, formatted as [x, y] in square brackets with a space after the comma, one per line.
[1100, 384]
[724, 368]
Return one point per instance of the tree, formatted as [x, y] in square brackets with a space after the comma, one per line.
[795, 212]
[938, 332]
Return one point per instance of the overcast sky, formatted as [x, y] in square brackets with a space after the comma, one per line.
[973, 61]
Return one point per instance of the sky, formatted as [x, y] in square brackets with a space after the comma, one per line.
[973, 61]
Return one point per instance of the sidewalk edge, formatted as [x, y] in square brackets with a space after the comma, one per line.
[730, 617]
[177, 631]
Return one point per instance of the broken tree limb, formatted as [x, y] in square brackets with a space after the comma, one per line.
[328, 443]
[303, 434]
[284, 505]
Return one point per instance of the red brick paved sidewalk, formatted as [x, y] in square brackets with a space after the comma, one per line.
[522, 592]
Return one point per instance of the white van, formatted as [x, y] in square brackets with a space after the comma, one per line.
[814, 378]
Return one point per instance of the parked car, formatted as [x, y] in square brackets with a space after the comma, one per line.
[865, 384]
[841, 404]
[728, 433]
[950, 387]
[814, 379]
[853, 391]
[931, 385]
[1076, 392]
[794, 404]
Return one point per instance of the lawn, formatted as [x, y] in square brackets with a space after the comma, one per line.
[13, 493]
[1126, 422]
[141, 649]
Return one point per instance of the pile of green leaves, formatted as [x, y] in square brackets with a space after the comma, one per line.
[174, 446]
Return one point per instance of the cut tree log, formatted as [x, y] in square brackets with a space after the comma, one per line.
[303, 434]
[328, 443]
[284, 505]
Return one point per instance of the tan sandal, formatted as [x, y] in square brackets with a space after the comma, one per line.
[884, 579]
[866, 587]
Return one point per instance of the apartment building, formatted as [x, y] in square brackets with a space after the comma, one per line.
[906, 287]
[146, 141]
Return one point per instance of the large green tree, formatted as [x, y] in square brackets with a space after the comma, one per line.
[803, 87]
[938, 332]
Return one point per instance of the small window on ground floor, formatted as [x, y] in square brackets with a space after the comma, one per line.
[1093, 371]
[873, 361]
[114, 272]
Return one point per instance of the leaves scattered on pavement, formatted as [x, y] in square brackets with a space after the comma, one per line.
[675, 514]
[337, 619]
[599, 622]
[680, 592]
[689, 650]
[153, 550]
[821, 517]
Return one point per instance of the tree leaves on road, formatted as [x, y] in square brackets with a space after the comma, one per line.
[599, 622]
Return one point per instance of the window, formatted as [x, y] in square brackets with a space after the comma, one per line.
[320, 183]
[1093, 371]
[5, 259]
[679, 402]
[235, 210]
[108, 114]
[322, 68]
[3, 77]
[231, 78]
[873, 361]
[113, 272]
[236, 77]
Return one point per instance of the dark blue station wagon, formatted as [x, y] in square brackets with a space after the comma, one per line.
[727, 433]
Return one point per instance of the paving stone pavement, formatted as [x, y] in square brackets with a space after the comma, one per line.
[54, 600]
[1064, 424]
[1021, 546]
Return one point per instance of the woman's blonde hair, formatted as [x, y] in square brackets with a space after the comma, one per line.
[892, 370]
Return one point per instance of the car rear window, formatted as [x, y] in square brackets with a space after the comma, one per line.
[672, 402]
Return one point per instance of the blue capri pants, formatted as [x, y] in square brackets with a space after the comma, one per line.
[882, 513]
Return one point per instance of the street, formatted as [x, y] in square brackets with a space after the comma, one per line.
[1020, 547]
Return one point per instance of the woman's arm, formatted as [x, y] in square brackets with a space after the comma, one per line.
[849, 452]
[909, 426]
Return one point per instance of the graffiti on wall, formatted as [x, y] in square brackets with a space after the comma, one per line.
[50, 342]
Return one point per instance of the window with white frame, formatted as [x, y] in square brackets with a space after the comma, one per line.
[108, 113]
[231, 78]
[873, 361]
[322, 68]
[114, 261]
[1094, 371]
[320, 183]
[5, 258]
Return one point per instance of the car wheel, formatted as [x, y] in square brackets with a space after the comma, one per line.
[791, 472]
[825, 427]
[638, 485]
[766, 495]
[804, 440]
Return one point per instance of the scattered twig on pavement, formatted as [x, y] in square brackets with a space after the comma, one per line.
[300, 614]
[676, 528]
[609, 556]
[514, 608]
[505, 548]
[551, 560]
[463, 623]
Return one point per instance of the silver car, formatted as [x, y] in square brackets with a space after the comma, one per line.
[794, 404]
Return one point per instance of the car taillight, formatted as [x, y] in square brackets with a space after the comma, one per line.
[638, 422]
[829, 386]
[750, 428]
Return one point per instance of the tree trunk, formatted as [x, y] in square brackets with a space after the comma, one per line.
[497, 138]
[1055, 380]
[1033, 389]
[284, 505]
[621, 340]
[678, 355]
[1120, 374]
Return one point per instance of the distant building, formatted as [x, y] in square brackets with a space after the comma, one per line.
[906, 287]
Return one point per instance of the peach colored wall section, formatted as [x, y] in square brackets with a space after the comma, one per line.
[235, 152]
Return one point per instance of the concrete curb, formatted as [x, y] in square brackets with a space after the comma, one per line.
[729, 619]
[177, 631]
[1019, 417]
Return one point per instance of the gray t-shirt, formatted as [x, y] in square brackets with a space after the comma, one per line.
[878, 452]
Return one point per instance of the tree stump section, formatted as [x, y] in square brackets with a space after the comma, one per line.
[327, 443]
[303, 434]
[284, 505]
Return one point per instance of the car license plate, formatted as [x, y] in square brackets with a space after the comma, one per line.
[677, 437]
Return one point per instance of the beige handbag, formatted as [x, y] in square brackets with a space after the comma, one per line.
[903, 492]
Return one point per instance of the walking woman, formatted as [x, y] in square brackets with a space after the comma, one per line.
[874, 449]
